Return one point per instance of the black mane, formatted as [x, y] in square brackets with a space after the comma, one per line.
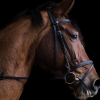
[37, 19]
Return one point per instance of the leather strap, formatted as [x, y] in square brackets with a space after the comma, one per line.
[87, 73]
[53, 20]
[2, 76]
[82, 80]
[63, 20]
[82, 64]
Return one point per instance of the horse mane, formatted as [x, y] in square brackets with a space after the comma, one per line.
[36, 16]
[37, 19]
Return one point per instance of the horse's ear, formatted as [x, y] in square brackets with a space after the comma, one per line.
[64, 6]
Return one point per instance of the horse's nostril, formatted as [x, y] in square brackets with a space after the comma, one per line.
[96, 84]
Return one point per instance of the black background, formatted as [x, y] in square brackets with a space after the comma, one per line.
[86, 12]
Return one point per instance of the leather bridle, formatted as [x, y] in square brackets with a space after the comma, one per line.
[69, 75]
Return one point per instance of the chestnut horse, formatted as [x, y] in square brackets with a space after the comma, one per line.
[29, 40]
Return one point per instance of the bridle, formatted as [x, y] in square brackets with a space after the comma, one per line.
[70, 76]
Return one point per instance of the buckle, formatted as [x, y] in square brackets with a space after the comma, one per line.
[2, 76]
[59, 32]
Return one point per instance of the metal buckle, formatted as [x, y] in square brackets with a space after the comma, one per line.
[2, 76]
[70, 78]
[59, 32]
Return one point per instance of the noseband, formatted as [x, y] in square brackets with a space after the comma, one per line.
[70, 76]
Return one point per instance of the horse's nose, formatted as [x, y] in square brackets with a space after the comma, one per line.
[96, 84]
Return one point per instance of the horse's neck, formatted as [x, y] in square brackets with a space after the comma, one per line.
[18, 43]
[15, 60]
[15, 41]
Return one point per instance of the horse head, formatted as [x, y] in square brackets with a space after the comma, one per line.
[50, 38]
[83, 79]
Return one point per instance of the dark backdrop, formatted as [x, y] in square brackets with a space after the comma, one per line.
[86, 12]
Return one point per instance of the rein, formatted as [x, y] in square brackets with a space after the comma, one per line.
[2, 76]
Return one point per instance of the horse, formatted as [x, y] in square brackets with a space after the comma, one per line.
[50, 38]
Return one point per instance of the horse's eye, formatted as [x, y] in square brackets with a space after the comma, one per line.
[74, 37]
